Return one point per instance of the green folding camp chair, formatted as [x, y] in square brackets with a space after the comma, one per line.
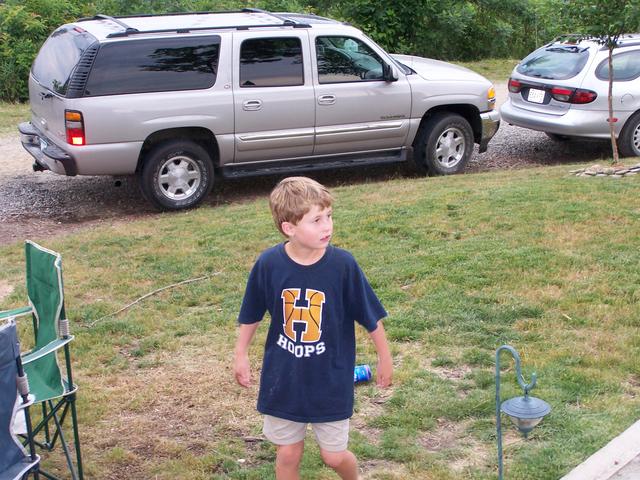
[51, 388]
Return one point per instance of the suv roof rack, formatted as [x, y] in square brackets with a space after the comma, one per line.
[128, 30]
[116, 20]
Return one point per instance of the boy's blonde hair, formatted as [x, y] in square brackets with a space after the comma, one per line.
[293, 197]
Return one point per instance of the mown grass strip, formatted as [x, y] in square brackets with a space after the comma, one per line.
[11, 114]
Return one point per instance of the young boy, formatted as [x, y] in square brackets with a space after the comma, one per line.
[313, 293]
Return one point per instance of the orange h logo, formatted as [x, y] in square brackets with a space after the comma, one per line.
[310, 316]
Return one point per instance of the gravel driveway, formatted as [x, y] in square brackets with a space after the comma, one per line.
[38, 205]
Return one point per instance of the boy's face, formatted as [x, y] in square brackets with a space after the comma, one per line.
[314, 229]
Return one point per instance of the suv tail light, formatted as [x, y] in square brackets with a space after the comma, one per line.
[573, 95]
[74, 126]
[514, 86]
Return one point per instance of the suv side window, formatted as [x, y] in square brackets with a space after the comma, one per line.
[271, 62]
[626, 66]
[154, 65]
[346, 59]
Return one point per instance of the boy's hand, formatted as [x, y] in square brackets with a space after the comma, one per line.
[241, 367]
[242, 371]
[384, 372]
[385, 364]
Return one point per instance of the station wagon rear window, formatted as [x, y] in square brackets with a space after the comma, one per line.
[554, 62]
[59, 56]
[155, 65]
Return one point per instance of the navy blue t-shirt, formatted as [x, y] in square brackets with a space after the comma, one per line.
[309, 355]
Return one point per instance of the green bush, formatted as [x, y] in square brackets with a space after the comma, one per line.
[443, 29]
[24, 26]
[458, 29]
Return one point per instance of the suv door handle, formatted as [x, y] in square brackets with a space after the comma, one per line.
[252, 105]
[326, 99]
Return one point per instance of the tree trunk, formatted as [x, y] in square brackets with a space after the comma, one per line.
[614, 144]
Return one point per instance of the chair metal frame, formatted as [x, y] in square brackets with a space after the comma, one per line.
[61, 398]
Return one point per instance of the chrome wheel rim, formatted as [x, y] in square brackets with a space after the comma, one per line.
[450, 147]
[179, 177]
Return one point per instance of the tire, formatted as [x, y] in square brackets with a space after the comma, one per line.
[629, 139]
[176, 175]
[557, 137]
[445, 144]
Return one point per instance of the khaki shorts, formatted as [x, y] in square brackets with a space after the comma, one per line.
[331, 436]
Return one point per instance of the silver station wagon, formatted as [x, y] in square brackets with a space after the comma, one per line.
[562, 89]
[182, 98]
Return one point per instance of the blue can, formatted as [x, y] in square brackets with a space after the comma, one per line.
[362, 373]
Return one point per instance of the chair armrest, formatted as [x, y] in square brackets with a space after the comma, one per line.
[46, 350]
[18, 312]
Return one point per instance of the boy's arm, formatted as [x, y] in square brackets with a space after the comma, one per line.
[241, 358]
[385, 364]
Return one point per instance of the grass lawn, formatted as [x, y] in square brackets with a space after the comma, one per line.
[538, 259]
[495, 69]
[11, 114]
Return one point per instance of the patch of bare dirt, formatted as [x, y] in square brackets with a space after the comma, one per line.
[5, 290]
[184, 405]
[464, 449]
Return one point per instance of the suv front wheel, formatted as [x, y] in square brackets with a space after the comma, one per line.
[445, 144]
[176, 175]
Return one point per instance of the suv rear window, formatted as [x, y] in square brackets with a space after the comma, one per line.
[555, 62]
[154, 65]
[58, 57]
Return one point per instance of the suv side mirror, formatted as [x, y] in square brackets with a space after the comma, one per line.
[389, 73]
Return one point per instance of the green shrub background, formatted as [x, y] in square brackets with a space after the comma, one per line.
[442, 29]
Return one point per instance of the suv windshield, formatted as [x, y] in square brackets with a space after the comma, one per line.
[555, 62]
[58, 57]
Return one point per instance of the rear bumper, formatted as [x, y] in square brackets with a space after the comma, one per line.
[490, 123]
[47, 155]
[575, 122]
[119, 158]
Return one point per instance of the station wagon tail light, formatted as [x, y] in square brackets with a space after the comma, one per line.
[514, 86]
[74, 126]
[584, 96]
[572, 95]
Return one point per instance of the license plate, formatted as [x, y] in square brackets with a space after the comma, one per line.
[535, 95]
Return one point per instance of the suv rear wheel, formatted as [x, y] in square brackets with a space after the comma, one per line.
[176, 175]
[445, 143]
[629, 139]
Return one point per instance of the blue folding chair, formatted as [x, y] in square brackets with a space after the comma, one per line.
[15, 462]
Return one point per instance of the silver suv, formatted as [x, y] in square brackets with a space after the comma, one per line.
[562, 89]
[180, 98]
